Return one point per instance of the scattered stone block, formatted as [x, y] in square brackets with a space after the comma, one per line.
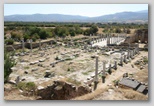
[14, 79]
[132, 65]
[26, 72]
[34, 62]
[40, 87]
[42, 60]
[141, 67]
[22, 54]
[34, 69]
[39, 64]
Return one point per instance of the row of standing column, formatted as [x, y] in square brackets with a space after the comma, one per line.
[103, 72]
[130, 54]
[31, 45]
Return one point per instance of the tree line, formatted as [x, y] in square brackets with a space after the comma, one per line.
[35, 33]
[44, 30]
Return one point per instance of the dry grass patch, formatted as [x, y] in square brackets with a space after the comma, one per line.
[92, 95]
[133, 95]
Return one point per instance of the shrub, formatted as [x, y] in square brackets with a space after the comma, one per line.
[9, 41]
[8, 63]
[68, 69]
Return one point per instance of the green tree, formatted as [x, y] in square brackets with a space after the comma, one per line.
[118, 30]
[72, 32]
[61, 31]
[8, 63]
[26, 36]
[35, 37]
[43, 34]
[93, 29]
[128, 31]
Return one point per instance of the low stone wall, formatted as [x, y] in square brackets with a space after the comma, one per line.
[27, 45]
[61, 91]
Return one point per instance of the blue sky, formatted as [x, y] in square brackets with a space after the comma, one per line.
[90, 10]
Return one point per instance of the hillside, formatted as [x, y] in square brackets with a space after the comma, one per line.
[140, 16]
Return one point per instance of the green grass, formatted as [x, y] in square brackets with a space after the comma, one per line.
[27, 67]
[145, 60]
[85, 73]
[26, 86]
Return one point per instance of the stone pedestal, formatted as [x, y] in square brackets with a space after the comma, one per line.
[95, 85]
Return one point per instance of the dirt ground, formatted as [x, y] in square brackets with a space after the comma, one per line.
[78, 67]
[106, 91]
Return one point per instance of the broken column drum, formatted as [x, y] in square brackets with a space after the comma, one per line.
[96, 73]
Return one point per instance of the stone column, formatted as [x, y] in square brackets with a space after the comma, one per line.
[142, 38]
[109, 71]
[103, 72]
[121, 61]
[23, 45]
[111, 40]
[31, 45]
[125, 59]
[51, 43]
[118, 38]
[128, 54]
[96, 73]
[138, 48]
[108, 40]
[131, 54]
[115, 65]
[107, 49]
[114, 40]
[39, 44]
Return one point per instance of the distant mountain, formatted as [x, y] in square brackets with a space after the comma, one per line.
[123, 17]
[45, 18]
[117, 17]
[143, 11]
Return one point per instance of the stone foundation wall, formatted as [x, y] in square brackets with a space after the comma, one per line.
[62, 91]
[27, 45]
